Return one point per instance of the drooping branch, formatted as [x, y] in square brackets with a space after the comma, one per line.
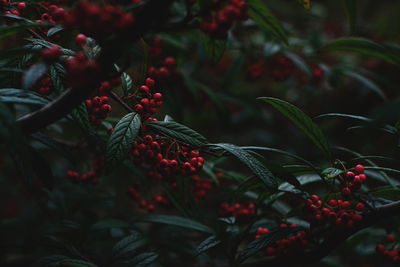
[335, 239]
[152, 14]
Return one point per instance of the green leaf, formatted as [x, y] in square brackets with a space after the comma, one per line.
[76, 263]
[263, 16]
[126, 83]
[80, 115]
[49, 261]
[367, 83]
[179, 132]
[110, 223]
[47, 44]
[331, 172]
[214, 48]
[252, 163]
[141, 260]
[122, 139]
[210, 242]
[302, 121]
[54, 30]
[350, 9]
[57, 73]
[176, 221]
[19, 96]
[306, 4]
[265, 241]
[33, 74]
[364, 46]
[392, 194]
[127, 245]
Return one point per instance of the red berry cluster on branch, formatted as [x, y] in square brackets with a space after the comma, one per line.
[159, 200]
[147, 102]
[353, 181]
[80, 70]
[91, 177]
[164, 159]
[220, 20]
[338, 212]
[98, 109]
[391, 251]
[292, 244]
[167, 73]
[98, 21]
[44, 85]
[236, 210]
[256, 70]
[201, 187]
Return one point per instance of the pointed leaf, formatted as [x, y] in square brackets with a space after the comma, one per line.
[302, 121]
[252, 163]
[126, 83]
[122, 139]
[210, 242]
[80, 115]
[76, 263]
[179, 132]
[19, 96]
[214, 48]
[176, 221]
[142, 260]
[263, 16]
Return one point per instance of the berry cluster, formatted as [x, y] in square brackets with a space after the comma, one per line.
[52, 54]
[256, 70]
[135, 196]
[167, 73]
[18, 11]
[98, 21]
[393, 252]
[155, 50]
[236, 210]
[80, 70]
[338, 212]
[292, 244]
[98, 109]
[283, 68]
[353, 181]
[201, 187]
[217, 24]
[165, 159]
[148, 102]
[44, 86]
[91, 177]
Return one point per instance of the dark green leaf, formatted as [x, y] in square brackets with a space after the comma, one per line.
[19, 96]
[46, 44]
[179, 132]
[265, 241]
[214, 48]
[302, 121]
[141, 260]
[367, 83]
[176, 221]
[210, 242]
[331, 172]
[364, 46]
[350, 9]
[122, 139]
[126, 83]
[57, 73]
[252, 163]
[263, 16]
[80, 115]
[110, 223]
[76, 263]
[128, 245]
[54, 30]
[392, 194]
[33, 74]
[49, 261]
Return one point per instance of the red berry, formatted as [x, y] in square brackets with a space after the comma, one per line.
[346, 191]
[157, 96]
[51, 54]
[80, 39]
[151, 208]
[360, 207]
[359, 169]
[350, 175]
[150, 82]
[21, 6]
[389, 239]
[170, 62]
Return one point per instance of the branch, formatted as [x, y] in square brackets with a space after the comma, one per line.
[336, 238]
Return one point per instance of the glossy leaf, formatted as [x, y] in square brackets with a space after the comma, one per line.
[179, 132]
[176, 221]
[122, 139]
[19, 96]
[263, 16]
[302, 121]
[210, 242]
[126, 83]
[252, 163]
